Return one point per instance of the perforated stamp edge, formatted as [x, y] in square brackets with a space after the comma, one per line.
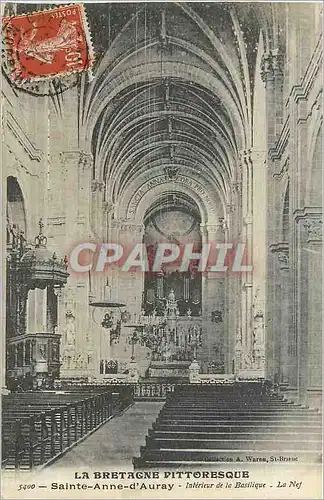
[8, 49]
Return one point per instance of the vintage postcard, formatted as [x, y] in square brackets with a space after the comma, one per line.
[161, 298]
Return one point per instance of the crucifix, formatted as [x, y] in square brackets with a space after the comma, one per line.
[40, 240]
[41, 226]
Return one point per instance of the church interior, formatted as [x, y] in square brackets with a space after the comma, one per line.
[201, 124]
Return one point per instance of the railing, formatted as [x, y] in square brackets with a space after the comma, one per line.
[216, 379]
[35, 440]
[153, 390]
[160, 391]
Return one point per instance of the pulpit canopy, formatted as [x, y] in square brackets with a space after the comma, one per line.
[40, 267]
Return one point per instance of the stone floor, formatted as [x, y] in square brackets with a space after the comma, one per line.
[116, 442]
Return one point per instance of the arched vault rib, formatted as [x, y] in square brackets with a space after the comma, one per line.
[220, 50]
[219, 182]
[183, 202]
[125, 119]
[210, 210]
[194, 149]
[207, 117]
[219, 152]
[193, 74]
[188, 170]
[113, 134]
[156, 141]
[131, 58]
[115, 137]
[138, 93]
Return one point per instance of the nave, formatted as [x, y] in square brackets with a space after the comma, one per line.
[242, 423]
[202, 126]
[113, 445]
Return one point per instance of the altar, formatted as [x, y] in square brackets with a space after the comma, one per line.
[166, 340]
[174, 341]
[173, 369]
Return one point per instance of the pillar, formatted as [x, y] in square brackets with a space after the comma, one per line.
[273, 77]
[233, 316]
[213, 306]
[96, 209]
[309, 305]
[128, 287]
[313, 227]
[284, 358]
[246, 276]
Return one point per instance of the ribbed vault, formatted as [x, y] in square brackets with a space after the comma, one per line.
[173, 91]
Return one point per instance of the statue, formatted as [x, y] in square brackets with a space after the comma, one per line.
[22, 242]
[14, 235]
[70, 329]
[171, 305]
[247, 360]
[42, 350]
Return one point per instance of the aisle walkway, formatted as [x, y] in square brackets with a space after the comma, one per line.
[116, 442]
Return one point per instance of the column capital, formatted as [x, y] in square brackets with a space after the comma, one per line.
[237, 187]
[245, 156]
[248, 219]
[282, 252]
[97, 185]
[108, 207]
[216, 227]
[311, 219]
[78, 156]
[314, 229]
[271, 65]
[127, 225]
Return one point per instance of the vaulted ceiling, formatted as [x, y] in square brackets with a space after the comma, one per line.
[173, 89]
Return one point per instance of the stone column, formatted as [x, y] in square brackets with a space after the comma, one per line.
[60, 309]
[76, 179]
[246, 277]
[284, 358]
[272, 76]
[72, 176]
[309, 306]
[204, 350]
[97, 209]
[213, 305]
[313, 227]
[99, 342]
[233, 294]
[129, 285]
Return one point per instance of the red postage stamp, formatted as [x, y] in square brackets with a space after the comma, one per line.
[48, 43]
